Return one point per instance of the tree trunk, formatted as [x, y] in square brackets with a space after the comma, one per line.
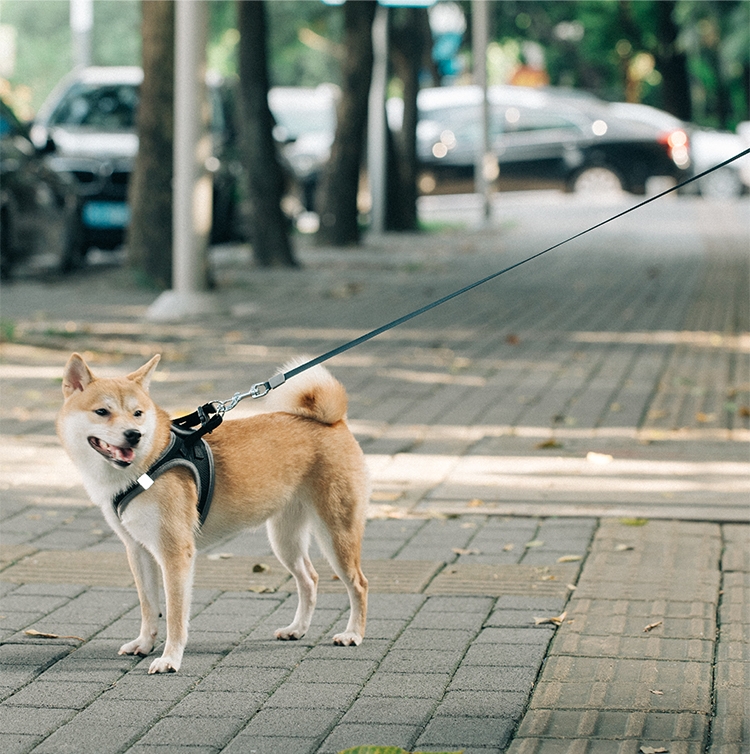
[672, 63]
[149, 236]
[269, 226]
[410, 39]
[338, 191]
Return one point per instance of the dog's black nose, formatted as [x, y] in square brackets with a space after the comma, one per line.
[132, 436]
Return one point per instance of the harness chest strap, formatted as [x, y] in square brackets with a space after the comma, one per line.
[187, 449]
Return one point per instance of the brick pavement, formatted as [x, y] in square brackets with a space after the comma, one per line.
[570, 439]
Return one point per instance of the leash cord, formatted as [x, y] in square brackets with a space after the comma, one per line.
[262, 388]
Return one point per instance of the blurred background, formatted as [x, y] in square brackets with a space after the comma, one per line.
[589, 97]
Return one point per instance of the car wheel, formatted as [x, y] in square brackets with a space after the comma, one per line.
[599, 182]
[6, 250]
[721, 184]
[74, 248]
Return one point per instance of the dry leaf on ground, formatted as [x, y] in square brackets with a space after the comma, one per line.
[570, 558]
[551, 443]
[261, 568]
[555, 620]
[219, 556]
[464, 551]
[652, 626]
[623, 548]
[652, 750]
[44, 635]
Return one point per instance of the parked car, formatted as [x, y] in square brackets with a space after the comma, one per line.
[542, 138]
[305, 127]
[708, 147]
[39, 219]
[87, 126]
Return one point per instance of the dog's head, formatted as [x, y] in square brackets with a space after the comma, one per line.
[109, 418]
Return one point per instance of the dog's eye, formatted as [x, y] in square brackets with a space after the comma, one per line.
[138, 414]
[101, 412]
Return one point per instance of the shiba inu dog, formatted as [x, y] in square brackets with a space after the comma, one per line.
[297, 468]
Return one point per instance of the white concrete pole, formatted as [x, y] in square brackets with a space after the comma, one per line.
[81, 24]
[479, 32]
[192, 186]
[377, 145]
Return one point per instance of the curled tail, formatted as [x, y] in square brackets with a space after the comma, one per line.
[315, 394]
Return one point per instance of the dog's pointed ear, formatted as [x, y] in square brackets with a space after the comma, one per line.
[76, 376]
[143, 375]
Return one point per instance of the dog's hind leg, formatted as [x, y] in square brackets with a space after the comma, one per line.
[289, 535]
[146, 575]
[340, 537]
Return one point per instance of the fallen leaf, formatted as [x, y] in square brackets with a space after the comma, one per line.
[571, 587]
[551, 443]
[743, 411]
[261, 589]
[704, 418]
[475, 503]
[623, 548]
[512, 339]
[534, 543]
[508, 547]
[469, 551]
[45, 635]
[555, 620]
[261, 568]
[652, 626]
[570, 559]
[219, 556]
[385, 497]
[652, 750]
[656, 692]
[633, 521]
[600, 459]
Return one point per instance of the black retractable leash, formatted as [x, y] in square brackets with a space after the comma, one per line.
[217, 409]
[188, 447]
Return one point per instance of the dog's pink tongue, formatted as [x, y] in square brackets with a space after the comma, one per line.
[126, 455]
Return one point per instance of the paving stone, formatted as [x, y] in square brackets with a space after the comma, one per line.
[42, 721]
[198, 730]
[448, 732]
[494, 678]
[433, 638]
[240, 679]
[497, 580]
[300, 723]
[483, 704]
[406, 685]
[613, 725]
[17, 743]
[257, 744]
[591, 683]
[219, 704]
[425, 661]
[413, 711]
[634, 647]
[346, 736]
[333, 671]
[57, 695]
[313, 695]
[91, 737]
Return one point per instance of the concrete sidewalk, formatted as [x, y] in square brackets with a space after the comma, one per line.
[558, 543]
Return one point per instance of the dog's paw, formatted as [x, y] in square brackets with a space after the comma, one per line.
[348, 639]
[164, 665]
[290, 633]
[138, 646]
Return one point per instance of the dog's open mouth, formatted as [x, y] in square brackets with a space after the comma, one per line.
[120, 456]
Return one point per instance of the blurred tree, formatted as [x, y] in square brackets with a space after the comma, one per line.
[338, 191]
[410, 44]
[149, 237]
[270, 237]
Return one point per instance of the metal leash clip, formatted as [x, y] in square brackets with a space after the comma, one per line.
[258, 390]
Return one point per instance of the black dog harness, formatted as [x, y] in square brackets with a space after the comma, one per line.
[188, 449]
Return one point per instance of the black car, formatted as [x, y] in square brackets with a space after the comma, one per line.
[88, 127]
[39, 218]
[541, 138]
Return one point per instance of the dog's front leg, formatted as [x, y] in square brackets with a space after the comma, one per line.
[146, 574]
[177, 564]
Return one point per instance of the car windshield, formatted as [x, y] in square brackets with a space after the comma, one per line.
[109, 107]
